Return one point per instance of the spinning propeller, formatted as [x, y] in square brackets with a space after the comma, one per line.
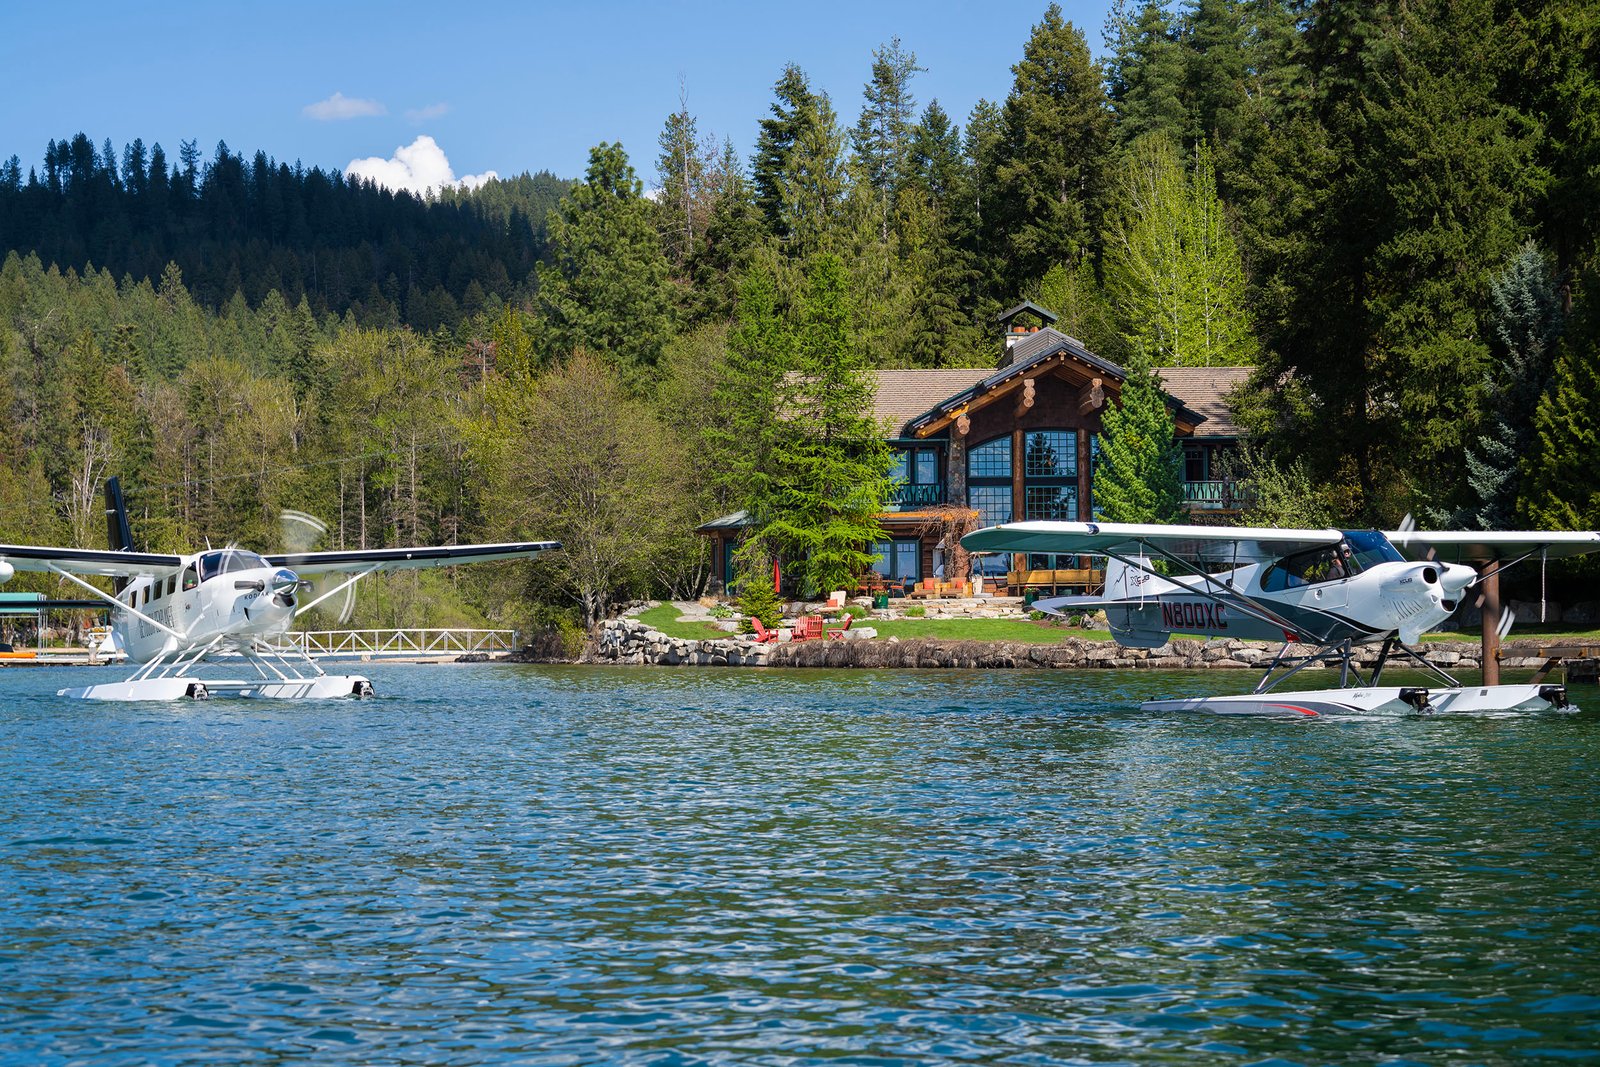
[302, 533]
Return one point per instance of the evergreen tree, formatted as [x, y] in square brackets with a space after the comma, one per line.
[1145, 75]
[681, 168]
[605, 288]
[1559, 488]
[882, 138]
[1526, 322]
[792, 111]
[1404, 182]
[1051, 172]
[829, 481]
[1138, 475]
[744, 437]
[813, 184]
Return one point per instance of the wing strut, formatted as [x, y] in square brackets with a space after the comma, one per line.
[115, 603]
[341, 587]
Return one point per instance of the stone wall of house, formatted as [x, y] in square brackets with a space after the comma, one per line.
[632, 642]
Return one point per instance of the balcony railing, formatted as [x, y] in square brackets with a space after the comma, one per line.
[1225, 495]
[916, 496]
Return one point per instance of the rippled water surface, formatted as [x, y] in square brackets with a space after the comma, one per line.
[578, 865]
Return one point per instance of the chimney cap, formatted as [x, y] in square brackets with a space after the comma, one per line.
[1005, 317]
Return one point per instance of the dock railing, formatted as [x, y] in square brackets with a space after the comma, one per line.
[401, 642]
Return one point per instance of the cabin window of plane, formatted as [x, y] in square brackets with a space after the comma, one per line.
[172, 584]
[1371, 548]
[215, 563]
[190, 580]
[1309, 568]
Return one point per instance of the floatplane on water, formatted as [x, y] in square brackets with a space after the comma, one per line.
[1329, 590]
[181, 618]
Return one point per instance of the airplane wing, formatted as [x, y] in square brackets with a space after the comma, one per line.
[89, 561]
[1213, 544]
[393, 559]
[1481, 546]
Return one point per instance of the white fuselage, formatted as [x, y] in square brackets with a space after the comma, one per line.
[233, 595]
[1322, 600]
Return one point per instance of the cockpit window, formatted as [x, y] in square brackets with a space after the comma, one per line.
[1327, 564]
[233, 559]
[1371, 548]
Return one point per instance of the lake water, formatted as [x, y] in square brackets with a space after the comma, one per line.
[501, 864]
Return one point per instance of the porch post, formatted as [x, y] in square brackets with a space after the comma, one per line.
[1490, 651]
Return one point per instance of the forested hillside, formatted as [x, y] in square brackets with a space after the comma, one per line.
[1388, 208]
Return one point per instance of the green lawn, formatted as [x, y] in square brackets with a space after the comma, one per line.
[1544, 635]
[664, 617]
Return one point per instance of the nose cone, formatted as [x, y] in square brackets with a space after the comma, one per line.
[1454, 579]
[285, 581]
[6, 571]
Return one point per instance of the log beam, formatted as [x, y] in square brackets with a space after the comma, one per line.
[1024, 398]
[1092, 397]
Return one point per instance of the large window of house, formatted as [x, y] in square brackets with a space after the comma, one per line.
[1050, 475]
[898, 560]
[989, 494]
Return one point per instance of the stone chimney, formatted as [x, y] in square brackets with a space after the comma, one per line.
[1016, 330]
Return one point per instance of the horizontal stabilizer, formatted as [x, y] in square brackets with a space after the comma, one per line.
[1073, 605]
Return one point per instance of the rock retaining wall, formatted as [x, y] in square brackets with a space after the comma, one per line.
[629, 641]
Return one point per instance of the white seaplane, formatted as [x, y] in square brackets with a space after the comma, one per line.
[182, 617]
[1327, 590]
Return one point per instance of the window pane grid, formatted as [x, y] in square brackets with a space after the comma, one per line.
[1051, 454]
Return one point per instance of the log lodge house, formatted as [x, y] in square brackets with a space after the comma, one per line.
[976, 447]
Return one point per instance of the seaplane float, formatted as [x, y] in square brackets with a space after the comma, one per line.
[1322, 593]
[182, 619]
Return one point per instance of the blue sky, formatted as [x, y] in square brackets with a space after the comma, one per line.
[498, 86]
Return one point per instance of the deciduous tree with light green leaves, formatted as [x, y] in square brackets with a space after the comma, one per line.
[1172, 268]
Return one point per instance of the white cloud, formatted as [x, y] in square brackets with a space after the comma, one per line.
[339, 106]
[423, 114]
[416, 167]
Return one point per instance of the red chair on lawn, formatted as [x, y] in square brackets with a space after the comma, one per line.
[836, 633]
[764, 636]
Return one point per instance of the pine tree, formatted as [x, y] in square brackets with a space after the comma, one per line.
[792, 111]
[1145, 76]
[813, 184]
[681, 168]
[605, 288]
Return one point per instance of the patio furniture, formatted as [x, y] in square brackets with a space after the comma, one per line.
[836, 633]
[808, 628]
[763, 636]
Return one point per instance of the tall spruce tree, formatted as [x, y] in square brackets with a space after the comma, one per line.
[1139, 469]
[1051, 172]
[791, 112]
[882, 139]
[1403, 192]
[605, 287]
[1145, 74]
[831, 477]
[1526, 322]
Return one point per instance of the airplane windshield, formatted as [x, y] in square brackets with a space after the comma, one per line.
[215, 563]
[1371, 548]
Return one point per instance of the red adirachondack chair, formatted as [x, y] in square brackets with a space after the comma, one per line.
[836, 633]
[764, 636]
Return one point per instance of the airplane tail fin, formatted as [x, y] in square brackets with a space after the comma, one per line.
[119, 535]
[1135, 614]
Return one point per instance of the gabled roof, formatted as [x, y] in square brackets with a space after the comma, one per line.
[1025, 356]
[902, 395]
[1206, 391]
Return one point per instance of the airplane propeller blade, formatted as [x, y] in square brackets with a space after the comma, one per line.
[303, 533]
[1507, 620]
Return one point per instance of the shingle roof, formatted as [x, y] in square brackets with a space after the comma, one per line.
[904, 394]
[1205, 390]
